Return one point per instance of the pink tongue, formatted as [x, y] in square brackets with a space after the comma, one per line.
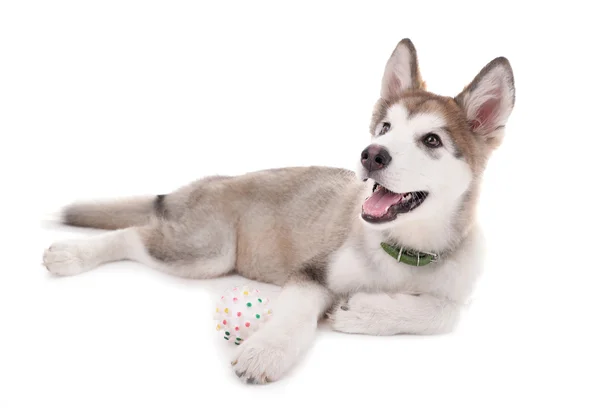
[379, 203]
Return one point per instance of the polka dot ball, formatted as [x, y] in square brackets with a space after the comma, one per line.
[240, 312]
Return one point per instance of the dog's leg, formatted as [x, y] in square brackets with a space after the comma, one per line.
[270, 352]
[205, 254]
[385, 314]
[79, 255]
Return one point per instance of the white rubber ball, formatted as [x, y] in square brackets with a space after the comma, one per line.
[241, 312]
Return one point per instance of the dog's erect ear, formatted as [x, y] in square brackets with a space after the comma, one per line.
[401, 71]
[489, 99]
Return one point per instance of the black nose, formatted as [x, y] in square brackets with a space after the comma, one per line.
[375, 157]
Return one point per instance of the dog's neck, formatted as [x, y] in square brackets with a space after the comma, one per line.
[437, 235]
[441, 234]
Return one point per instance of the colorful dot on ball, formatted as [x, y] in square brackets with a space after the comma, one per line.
[238, 338]
[247, 324]
[235, 299]
[217, 310]
[226, 310]
[227, 333]
[246, 293]
[225, 322]
[239, 314]
[257, 316]
[236, 328]
[226, 338]
[249, 304]
[260, 300]
[218, 327]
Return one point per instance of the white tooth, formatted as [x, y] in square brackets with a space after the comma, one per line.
[408, 196]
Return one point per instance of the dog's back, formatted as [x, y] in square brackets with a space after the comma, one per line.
[274, 221]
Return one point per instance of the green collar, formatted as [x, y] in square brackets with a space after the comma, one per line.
[409, 256]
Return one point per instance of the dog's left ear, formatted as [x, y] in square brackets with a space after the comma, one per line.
[401, 72]
[489, 99]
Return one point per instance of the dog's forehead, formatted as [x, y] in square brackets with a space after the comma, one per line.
[421, 105]
[414, 123]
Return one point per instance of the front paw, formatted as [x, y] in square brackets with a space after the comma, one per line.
[349, 316]
[264, 357]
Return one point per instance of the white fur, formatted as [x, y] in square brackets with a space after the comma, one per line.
[270, 352]
[75, 256]
[72, 257]
[370, 269]
[399, 313]
[381, 290]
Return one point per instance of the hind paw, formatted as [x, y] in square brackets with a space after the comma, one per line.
[67, 258]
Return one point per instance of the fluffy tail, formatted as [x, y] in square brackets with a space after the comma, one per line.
[111, 215]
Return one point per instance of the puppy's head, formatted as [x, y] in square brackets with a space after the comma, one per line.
[428, 151]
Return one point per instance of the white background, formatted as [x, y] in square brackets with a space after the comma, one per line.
[113, 98]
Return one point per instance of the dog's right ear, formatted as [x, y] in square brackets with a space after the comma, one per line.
[401, 72]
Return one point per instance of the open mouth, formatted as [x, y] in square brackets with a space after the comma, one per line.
[385, 205]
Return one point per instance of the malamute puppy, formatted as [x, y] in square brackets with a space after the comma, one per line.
[392, 249]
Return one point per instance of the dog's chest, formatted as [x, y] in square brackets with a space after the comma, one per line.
[366, 270]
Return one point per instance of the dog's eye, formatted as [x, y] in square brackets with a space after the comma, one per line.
[432, 140]
[385, 126]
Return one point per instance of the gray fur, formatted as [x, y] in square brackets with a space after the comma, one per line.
[265, 225]
[315, 270]
[110, 215]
